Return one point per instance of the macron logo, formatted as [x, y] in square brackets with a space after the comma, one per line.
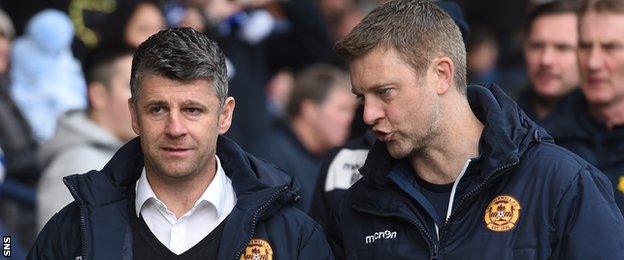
[381, 235]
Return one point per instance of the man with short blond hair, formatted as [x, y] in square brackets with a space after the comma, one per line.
[458, 172]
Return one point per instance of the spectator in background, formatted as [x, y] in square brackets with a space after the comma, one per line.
[320, 111]
[482, 56]
[15, 134]
[297, 39]
[86, 140]
[590, 121]
[46, 79]
[550, 55]
[133, 22]
[278, 92]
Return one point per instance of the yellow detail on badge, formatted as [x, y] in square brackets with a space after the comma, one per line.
[257, 249]
[620, 186]
[502, 214]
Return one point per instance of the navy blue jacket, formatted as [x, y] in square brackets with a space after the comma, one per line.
[96, 226]
[524, 198]
[575, 129]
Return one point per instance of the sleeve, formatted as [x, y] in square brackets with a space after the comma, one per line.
[60, 237]
[588, 223]
[333, 232]
[316, 246]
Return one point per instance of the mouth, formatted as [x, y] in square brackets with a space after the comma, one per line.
[383, 135]
[176, 151]
[595, 80]
[547, 77]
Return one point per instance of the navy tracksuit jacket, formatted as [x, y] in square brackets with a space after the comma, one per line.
[96, 226]
[523, 198]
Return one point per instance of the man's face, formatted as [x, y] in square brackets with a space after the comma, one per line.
[333, 117]
[601, 57]
[116, 99]
[402, 108]
[550, 54]
[179, 123]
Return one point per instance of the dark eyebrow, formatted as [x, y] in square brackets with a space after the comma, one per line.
[156, 103]
[190, 103]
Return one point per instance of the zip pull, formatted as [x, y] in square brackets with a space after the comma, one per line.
[434, 254]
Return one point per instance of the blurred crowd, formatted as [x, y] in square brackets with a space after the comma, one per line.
[65, 72]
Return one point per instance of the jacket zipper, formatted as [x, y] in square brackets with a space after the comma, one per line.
[83, 217]
[255, 216]
[472, 193]
[433, 247]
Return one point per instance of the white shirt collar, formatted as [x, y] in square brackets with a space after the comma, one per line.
[214, 193]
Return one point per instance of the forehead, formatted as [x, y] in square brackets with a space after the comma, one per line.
[160, 88]
[602, 26]
[378, 67]
[555, 27]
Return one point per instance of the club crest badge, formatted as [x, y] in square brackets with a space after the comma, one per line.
[502, 213]
[257, 249]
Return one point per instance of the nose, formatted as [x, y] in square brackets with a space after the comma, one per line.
[175, 127]
[372, 112]
[547, 57]
[595, 60]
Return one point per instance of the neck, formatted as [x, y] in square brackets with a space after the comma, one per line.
[611, 114]
[180, 194]
[100, 120]
[306, 135]
[543, 106]
[456, 141]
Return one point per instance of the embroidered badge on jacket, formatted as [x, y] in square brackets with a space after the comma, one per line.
[258, 249]
[502, 213]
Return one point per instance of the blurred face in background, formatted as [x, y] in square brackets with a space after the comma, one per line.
[109, 104]
[146, 20]
[550, 54]
[332, 118]
[601, 57]
[5, 54]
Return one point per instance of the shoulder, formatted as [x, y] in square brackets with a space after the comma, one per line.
[60, 237]
[555, 167]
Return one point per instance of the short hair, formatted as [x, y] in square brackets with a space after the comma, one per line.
[601, 6]
[314, 84]
[181, 54]
[98, 66]
[558, 7]
[419, 30]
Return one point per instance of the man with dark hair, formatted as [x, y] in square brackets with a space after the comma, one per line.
[181, 190]
[86, 140]
[590, 121]
[550, 55]
[320, 111]
[458, 172]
